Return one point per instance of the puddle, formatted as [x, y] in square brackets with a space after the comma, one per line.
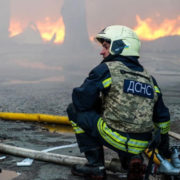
[8, 175]
[59, 128]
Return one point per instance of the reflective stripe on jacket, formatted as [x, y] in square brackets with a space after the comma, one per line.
[120, 142]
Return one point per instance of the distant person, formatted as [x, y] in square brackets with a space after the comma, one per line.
[118, 105]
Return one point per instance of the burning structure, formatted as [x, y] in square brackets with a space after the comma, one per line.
[65, 22]
[68, 28]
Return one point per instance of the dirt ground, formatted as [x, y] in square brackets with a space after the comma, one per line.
[38, 137]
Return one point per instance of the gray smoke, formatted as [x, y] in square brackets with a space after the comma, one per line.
[4, 19]
[25, 57]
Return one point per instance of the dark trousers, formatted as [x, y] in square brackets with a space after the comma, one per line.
[91, 139]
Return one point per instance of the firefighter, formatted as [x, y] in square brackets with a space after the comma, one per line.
[118, 105]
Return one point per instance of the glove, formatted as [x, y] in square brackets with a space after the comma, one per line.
[164, 146]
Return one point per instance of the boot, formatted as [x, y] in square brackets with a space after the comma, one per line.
[94, 169]
[136, 169]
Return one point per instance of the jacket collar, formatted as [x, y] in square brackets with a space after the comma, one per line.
[132, 59]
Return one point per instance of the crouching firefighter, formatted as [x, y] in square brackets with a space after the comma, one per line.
[117, 106]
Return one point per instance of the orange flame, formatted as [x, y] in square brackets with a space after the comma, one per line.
[49, 30]
[15, 28]
[91, 38]
[148, 30]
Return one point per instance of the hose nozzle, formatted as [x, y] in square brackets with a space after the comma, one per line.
[175, 157]
[166, 167]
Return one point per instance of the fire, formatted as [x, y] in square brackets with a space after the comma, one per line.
[49, 30]
[91, 38]
[148, 29]
[15, 28]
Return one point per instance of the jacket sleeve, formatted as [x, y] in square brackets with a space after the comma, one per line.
[87, 95]
[161, 115]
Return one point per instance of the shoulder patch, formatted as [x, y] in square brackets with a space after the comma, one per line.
[138, 88]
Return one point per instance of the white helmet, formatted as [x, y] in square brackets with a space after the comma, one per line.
[123, 40]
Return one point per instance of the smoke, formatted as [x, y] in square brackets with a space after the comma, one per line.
[102, 13]
[4, 19]
[31, 10]
[98, 14]
[82, 19]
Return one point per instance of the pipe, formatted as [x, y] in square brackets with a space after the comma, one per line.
[113, 165]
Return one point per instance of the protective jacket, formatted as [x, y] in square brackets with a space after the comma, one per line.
[128, 107]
